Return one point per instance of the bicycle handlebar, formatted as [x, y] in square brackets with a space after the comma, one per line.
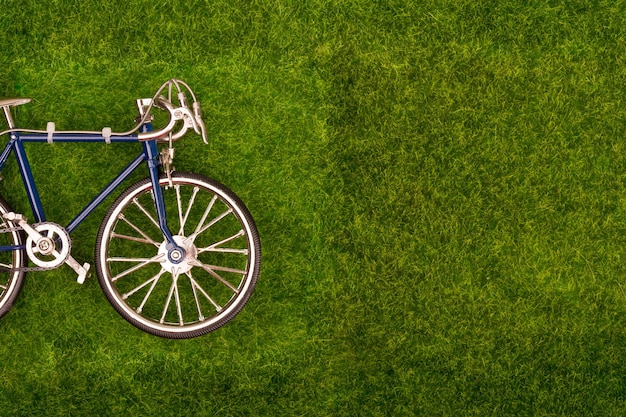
[164, 104]
[182, 113]
[190, 118]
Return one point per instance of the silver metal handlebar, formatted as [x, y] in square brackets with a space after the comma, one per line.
[183, 113]
[164, 104]
[190, 118]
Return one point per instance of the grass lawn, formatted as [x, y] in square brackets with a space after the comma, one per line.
[438, 186]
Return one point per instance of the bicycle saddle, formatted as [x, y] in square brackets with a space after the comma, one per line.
[7, 102]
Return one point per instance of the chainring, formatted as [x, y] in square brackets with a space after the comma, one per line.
[52, 249]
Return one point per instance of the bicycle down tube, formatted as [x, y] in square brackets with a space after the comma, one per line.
[149, 154]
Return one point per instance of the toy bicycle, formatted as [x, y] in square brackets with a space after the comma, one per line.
[177, 253]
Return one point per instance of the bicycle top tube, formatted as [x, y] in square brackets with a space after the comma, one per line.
[74, 137]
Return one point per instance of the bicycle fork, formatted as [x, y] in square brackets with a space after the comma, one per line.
[176, 254]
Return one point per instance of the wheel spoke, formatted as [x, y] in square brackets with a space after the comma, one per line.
[167, 303]
[204, 216]
[155, 280]
[151, 280]
[195, 286]
[146, 213]
[180, 209]
[214, 247]
[177, 296]
[225, 250]
[192, 199]
[211, 270]
[173, 292]
[138, 230]
[140, 265]
[209, 224]
[145, 260]
[195, 296]
[133, 238]
[226, 269]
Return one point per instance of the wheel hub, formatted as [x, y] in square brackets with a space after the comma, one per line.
[175, 260]
[46, 246]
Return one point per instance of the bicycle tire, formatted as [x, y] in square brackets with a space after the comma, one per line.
[12, 262]
[219, 271]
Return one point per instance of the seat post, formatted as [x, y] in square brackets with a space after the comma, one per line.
[7, 114]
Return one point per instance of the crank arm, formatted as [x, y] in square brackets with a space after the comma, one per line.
[21, 221]
[81, 270]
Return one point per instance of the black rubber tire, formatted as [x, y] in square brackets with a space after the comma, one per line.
[119, 242]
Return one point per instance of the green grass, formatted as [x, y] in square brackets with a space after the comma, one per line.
[438, 185]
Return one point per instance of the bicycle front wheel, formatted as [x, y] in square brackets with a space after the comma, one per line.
[211, 284]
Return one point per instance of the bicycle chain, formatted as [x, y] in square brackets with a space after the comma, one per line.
[26, 268]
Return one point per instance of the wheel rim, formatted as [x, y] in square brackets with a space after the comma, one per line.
[211, 282]
[9, 281]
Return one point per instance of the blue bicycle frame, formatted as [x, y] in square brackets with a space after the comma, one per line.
[149, 154]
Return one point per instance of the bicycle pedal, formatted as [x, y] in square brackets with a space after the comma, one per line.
[12, 217]
[85, 274]
[82, 271]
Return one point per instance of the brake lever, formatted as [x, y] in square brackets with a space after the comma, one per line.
[197, 112]
[196, 119]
